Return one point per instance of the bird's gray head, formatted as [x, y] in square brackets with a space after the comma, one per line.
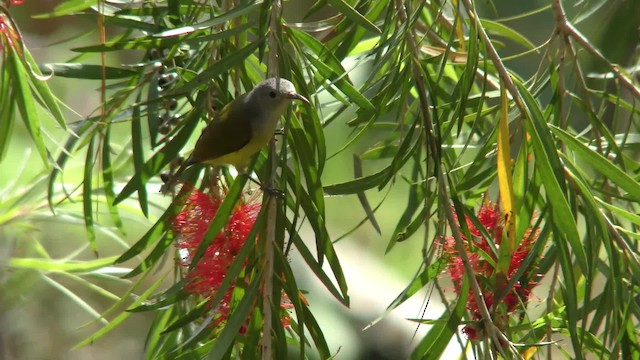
[275, 93]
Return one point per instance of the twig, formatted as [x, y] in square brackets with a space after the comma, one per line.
[567, 47]
[622, 244]
[432, 141]
[272, 210]
[492, 54]
[552, 289]
[565, 27]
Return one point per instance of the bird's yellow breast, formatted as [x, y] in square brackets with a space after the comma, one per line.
[241, 158]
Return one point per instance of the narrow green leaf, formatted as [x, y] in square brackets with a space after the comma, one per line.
[84, 71]
[600, 163]
[162, 158]
[568, 290]
[236, 320]
[414, 200]
[336, 268]
[291, 289]
[315, 267]
[87, 191]
[411, 228]
[154, 339]
[353, 15]
[228, 62]
[520, 182]
[129, 22]
[171, 296]
[43, 90]
[229, 280]
[435, 342]
[235, 12]
[316, 334]
[303, 145]
[420, 280]
[380, 152]
[318, 223]
[174, 11]
[195, 313]
[154, 256]
[67, 266]
[347, 38]
[410, 145]
[315, 127]
[67, 8]
[154, 234]
[147, 42]
[121, 317]
[222, 216]
[549, 169]
[154, 120]
[362, 197]
[138, 155]
[26, 104]
[69, 146]
[502, 30]
[75, 298]
[463, 90]
[341, 82]
[319, 49]
[7, 108]
[108, 181]
[312, 202]
[357, 185]
[505, 184]
[634, 218]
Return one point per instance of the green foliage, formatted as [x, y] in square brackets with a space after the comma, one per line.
[423, 117]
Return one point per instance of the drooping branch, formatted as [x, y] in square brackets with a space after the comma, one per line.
[444, 193]
[493, 55]
[567, 29]
[272, 211]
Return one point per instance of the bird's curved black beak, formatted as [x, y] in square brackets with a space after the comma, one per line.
[294, 96]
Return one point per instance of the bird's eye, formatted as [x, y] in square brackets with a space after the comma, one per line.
[272, 94]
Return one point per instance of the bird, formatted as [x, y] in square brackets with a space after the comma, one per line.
[241, 128]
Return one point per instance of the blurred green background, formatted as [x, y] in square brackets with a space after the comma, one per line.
[40, 319]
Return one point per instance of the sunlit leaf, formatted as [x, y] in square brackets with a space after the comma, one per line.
[67, 8]
[434, 343]
[85, 71]
[351, 13]
[505, 183]
[602, 165]
[26, 104]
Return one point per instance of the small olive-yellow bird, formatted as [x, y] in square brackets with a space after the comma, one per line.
[242, 127]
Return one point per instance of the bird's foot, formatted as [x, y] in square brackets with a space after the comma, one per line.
[267, 189]
[273, 192]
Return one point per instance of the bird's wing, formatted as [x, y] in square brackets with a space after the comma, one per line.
[224, 135]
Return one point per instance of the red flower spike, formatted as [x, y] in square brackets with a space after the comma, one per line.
[471, 331]
[191, 225]
[285, 306]
[489, 216]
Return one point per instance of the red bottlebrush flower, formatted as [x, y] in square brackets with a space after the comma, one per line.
[471, 331]
[7, 34]
[285, 306]
[191, 225]
[16, 2]
[490, 217]
[9, 37]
